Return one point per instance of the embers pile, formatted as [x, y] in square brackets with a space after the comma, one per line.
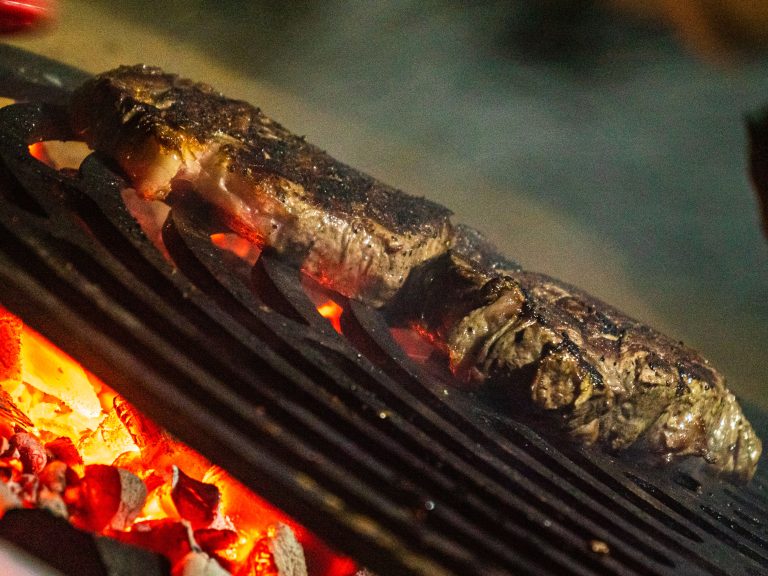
[70, 445]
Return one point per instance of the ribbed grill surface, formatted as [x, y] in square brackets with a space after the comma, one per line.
[379, 456]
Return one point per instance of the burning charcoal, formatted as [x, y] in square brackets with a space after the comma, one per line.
[11, 415]
[130, 461]
[31, 452]
[132, 498]
[159, 450]
[277, 553]
[170, 538]
[153, 481]
[27, 487]
[106, 496]
[213, 541]
[10, 346]
[10, 469]
[195, 501]
[94, 499]
[54, 476]
[64, 449]
[198, 564]
[8, 499]
[53, 502]
[260, 559]
[287, 552]
[241, 504]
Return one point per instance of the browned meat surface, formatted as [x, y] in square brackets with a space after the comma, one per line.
[278, 190]
[600, 376]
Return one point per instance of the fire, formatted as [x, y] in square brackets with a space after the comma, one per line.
[109, 469]
[332, 312]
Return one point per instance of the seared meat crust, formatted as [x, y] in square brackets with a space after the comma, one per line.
[603, 377]
[277, 189]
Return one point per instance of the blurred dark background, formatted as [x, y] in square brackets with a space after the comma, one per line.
[601, 142]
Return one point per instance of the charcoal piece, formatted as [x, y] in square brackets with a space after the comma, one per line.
[74, 552]
[196, 501]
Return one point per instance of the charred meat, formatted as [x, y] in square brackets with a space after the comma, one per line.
[344, 228]
[600, 377]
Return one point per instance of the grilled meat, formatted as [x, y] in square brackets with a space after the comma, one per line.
[601, 376]
[344, 228]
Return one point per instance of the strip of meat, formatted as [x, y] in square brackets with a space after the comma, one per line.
[603, 377]
[344, 228]
[599, 376]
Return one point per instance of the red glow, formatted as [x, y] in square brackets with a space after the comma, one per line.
[238, 245]
[38, 151]
[21, 15]
[416, 342]
[105, 446]
[332, 312]
[341, 566]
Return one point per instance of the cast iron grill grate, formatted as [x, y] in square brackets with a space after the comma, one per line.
[377, 455]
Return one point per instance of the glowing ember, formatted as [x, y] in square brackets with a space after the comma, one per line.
[70, 444]
[38, 151]
[332, 312]
[238, 245]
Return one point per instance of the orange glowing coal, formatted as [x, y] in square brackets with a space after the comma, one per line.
[238, 245]
[331, 311]
[109, 469]
[37, 150]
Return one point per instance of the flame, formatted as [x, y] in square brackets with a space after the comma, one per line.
[331, 311]
[61, 398]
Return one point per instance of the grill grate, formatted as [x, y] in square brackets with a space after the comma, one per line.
[376, 454]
